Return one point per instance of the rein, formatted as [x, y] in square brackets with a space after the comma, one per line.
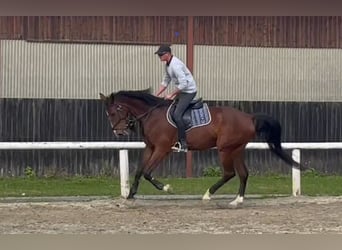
[132, 120]
[148, 112]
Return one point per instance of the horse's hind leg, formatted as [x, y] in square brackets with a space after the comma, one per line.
[228, 173]
[232, 161]
[242, 171]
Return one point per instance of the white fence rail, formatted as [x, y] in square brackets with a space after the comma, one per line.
[124, 146]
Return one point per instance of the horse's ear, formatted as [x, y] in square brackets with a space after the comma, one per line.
[148, 90]
[103, 97]
[111, 97]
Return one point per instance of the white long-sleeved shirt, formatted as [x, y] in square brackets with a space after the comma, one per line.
[177, 73]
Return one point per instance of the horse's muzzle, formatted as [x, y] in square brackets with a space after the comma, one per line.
[120, 132]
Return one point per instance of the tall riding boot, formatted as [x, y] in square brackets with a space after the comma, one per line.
[184, 145]
[182, 139]
[181, 145]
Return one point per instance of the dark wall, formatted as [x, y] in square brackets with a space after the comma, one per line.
[85, 120]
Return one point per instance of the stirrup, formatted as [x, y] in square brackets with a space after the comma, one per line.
[178, 147]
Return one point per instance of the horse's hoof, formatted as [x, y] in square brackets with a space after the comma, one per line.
[205, 202]
[237, 202]
[234, 205]
[130, 197]
[167, 188]
[206, 196]
[224, 205]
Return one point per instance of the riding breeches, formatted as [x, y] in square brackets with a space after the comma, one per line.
[182, 103]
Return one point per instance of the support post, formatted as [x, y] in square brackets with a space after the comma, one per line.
[189, 164]
[124, 172]
[296, 174]
[190, 65]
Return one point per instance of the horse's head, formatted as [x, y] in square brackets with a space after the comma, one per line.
[118, 115]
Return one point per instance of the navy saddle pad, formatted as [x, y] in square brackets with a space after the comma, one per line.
[196, 115]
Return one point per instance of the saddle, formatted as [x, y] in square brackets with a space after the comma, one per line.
[197, 114]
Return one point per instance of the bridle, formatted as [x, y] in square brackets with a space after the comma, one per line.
[131, 120]
[119, 112]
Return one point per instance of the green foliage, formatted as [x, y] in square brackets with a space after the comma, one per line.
[212, 172]
[29, 172]
[312, 173]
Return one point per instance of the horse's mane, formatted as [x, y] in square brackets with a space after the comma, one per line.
[144, 95]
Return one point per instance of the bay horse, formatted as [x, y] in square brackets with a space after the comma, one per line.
[229, 131]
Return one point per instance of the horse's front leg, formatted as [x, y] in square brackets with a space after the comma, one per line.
[134, 188]
[156, 158]
[159, 185]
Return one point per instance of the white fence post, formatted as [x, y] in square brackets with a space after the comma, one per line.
[124, 173]
[296, 174]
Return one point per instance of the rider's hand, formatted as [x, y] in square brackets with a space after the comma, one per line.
[169, 97]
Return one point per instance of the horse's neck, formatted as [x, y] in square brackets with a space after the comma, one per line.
[138, 108]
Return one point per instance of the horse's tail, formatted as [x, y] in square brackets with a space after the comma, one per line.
[270, 130]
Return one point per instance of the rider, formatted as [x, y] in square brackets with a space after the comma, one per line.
[178, 73]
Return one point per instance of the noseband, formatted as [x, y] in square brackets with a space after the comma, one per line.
[128, 117]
